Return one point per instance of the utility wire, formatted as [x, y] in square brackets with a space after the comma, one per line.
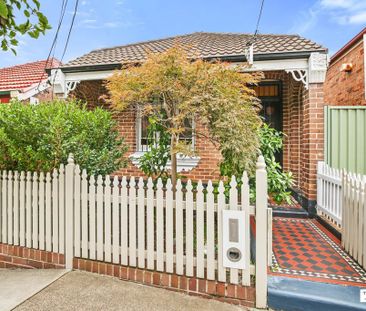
[252, 40]
[70, 30]
[259, 18]
[54, 42]
[63, 9]
[67, 39]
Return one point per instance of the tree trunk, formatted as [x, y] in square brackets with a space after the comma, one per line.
[173, 160]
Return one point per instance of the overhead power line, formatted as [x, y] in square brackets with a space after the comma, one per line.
[259, 18]
[67, 39]
[70, 30]
[54, 41]
[252, 39]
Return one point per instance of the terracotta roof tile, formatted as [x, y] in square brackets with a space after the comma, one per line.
[201, 44]
[20, 77]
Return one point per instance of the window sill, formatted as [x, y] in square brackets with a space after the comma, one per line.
[184, 164]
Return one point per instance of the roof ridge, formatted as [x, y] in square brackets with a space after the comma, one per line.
[144, 42]
[187, 35]
[250, 34]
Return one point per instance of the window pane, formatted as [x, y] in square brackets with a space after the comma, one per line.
[143, 139]
[185, 136]
[188, 132]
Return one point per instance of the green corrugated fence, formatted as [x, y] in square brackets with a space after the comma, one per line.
[345, 137]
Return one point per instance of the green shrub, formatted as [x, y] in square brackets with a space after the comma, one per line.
[279, 182]
[41, 137]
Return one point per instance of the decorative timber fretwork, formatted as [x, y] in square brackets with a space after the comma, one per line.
[71, 86]
[300, 75]
[316, 71]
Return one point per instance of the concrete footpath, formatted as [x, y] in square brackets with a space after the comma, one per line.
[18, 285]
[86, 291]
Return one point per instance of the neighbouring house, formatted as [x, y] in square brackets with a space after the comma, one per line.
[26, 82]
[345, 82]
[291, 93]
[345, 113]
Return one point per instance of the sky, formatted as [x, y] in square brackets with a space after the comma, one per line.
[108, 23]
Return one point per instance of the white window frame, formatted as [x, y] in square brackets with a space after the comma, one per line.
[184, 163]
[144, 148]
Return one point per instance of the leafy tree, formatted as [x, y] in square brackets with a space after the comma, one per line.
[41, 137]
[35, 22]
[214, 94]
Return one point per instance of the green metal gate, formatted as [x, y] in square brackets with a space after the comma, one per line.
[345, 135]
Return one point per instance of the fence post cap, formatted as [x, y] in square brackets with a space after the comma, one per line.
[70, 159]
[261, 164]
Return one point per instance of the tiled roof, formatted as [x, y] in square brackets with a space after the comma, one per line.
[21, 77]
[201, 44]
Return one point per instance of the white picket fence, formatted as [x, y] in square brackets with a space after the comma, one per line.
[138, 223]
[341, 198]
[32, 210]
[354, 216]
[329, 193]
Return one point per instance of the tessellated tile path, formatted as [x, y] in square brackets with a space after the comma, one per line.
[303, 248]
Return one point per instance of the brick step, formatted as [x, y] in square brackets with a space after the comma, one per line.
[298, 213]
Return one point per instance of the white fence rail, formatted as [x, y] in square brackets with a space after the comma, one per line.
[329, 193]
[33, 210]
[354, 217]
[342, 200]
[135, 222]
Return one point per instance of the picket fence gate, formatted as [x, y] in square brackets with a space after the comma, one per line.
[329, 193]
[354, 216]
[341, 199]
[136, 223]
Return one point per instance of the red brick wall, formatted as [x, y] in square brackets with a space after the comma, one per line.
[346, 88]
[234, 294]
[12, 256]
[302, 124]
[312, 138]
[46, 95]
[207, 168]
[291, 121]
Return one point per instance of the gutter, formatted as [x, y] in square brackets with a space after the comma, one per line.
[234, 58]
[348, 45]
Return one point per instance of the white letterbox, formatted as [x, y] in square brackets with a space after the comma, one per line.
[233, 239]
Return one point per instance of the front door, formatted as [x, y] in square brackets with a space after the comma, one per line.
[269, 92]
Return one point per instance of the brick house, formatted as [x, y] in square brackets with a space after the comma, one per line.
[345, 82]
[345, 112]
[27, 82]
[291, 93]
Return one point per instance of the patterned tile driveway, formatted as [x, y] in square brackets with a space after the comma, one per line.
[303, 248]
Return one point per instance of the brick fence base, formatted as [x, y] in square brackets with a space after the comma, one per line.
[235, 294]
[12, 256]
